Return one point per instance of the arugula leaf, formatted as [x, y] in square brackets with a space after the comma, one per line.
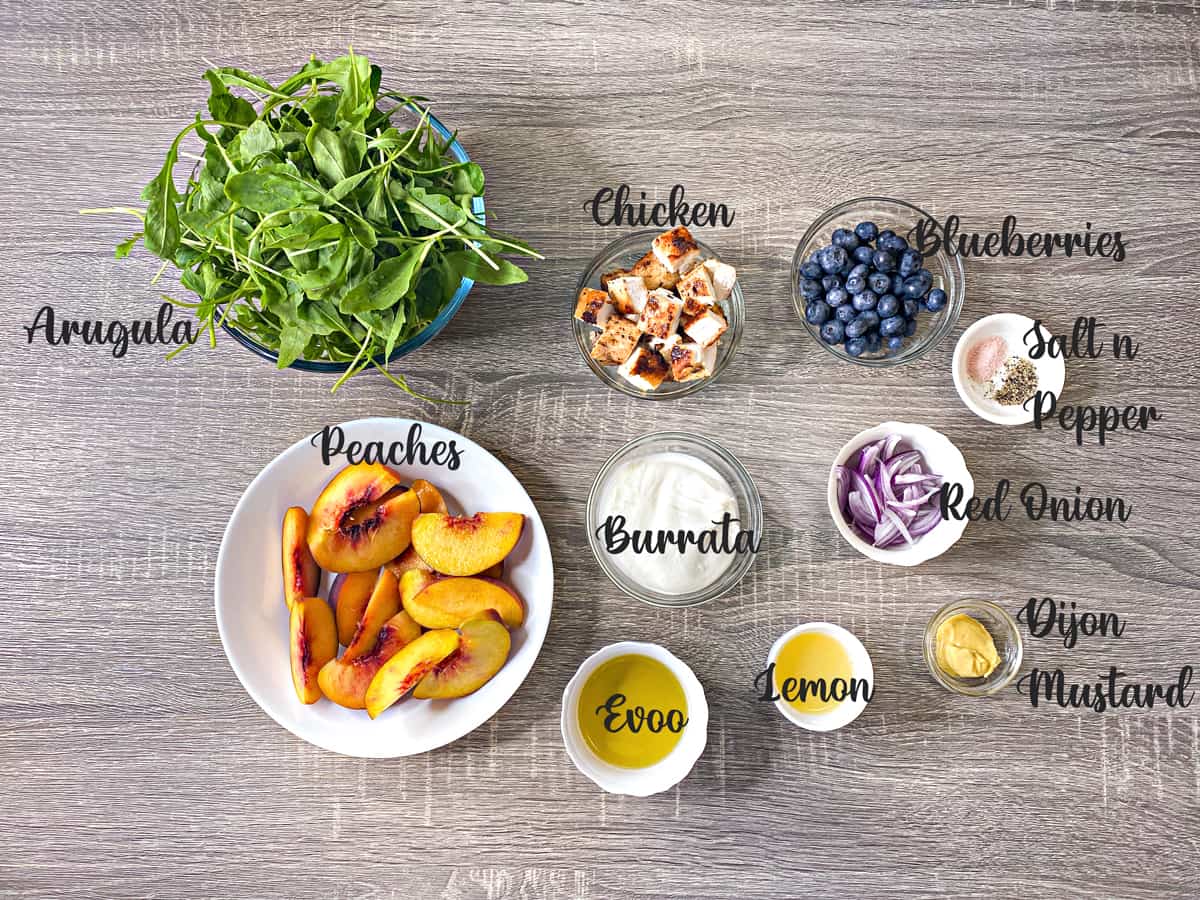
[328, 154]
[162, 213]
[257, 140]
[267, 192]
[126, 245]
[469, 265]
[386, 285]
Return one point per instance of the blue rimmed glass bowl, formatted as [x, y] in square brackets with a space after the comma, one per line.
[426, 334]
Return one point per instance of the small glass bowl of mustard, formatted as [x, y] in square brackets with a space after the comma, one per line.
[1006, 636]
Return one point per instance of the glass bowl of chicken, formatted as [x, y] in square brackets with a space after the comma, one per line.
[658, 315]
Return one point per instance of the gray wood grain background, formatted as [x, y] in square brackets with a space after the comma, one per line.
[134, 765]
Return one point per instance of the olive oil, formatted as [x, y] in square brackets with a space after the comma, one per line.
[632, 711]
[809, 657]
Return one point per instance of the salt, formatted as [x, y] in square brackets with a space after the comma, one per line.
[985, 357]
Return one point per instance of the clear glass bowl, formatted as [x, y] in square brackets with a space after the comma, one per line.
[1004, 631]
[749, 505]
[426, 334]
[901, 218]
[622, 254]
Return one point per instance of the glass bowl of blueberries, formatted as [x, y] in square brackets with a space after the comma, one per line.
[866, 293]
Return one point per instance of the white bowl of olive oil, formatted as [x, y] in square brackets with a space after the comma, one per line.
[634, 719]
[821, 676]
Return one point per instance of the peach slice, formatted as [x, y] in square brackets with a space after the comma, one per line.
[301, 574]
[483, 648]
[345, 681]
[413, 582]
[362, 519]
[465, 545]
[404, 671]
[409, 559]
[383, 604]
[313, 639]
[349, 595]
[448, 602]
[431, 497]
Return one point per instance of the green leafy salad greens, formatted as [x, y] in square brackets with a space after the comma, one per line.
[313, 224]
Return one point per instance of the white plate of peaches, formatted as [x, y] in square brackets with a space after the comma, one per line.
[387, 605]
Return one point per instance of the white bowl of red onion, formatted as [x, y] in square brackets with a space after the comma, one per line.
[884, 493]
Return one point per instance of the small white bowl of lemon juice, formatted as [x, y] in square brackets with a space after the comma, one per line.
[634, 719]
[820, 675]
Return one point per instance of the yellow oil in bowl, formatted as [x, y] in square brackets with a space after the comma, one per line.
[632, 711]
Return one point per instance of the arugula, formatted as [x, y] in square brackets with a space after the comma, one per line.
[314, 225]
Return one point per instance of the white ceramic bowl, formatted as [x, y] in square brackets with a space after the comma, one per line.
[667, 772]
[860, 667]
[1051, 370]
[253, 619]
[941, 458]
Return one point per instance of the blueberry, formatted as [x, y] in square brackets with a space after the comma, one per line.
[936, 300]
[864, 301]
[866, 231]
[893, 244]
[829, 282]
[874, 341]
[883, 261]
[846, 313]
[911, 308]
[857, 328]
[892, 326]
[812, 269]
[888, 305]
[810, 290]
[895, 343]
[880, 282]
[911, 328]
[832, 332]
[855, 284]
[856, 346]
[837, 296]
[884, 236]
[817, 312]
[832, 259]
[845, 239]
[862, 253]
[898, 285]
[846, 266]
[910, 262]
[870, 317]
[862, 269]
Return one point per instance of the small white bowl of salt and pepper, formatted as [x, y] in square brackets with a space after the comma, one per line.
[994, 373]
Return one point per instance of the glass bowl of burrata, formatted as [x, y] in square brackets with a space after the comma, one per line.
[674, 519]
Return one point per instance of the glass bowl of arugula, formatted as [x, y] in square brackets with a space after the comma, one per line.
[327, 225]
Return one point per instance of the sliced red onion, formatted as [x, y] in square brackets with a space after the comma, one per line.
[887, 496]
[843, 485]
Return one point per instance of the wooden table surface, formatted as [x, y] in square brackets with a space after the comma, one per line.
[135, 765]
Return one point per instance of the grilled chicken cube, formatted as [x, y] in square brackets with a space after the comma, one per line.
[628, 294]
[723, 277]
[645, 369]
[660, 315]
[593, 307]
[705, 328]
[676, 249]
[609, 276]
[696, 289]
[618, 340]
[689, 361]
[654, 273]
